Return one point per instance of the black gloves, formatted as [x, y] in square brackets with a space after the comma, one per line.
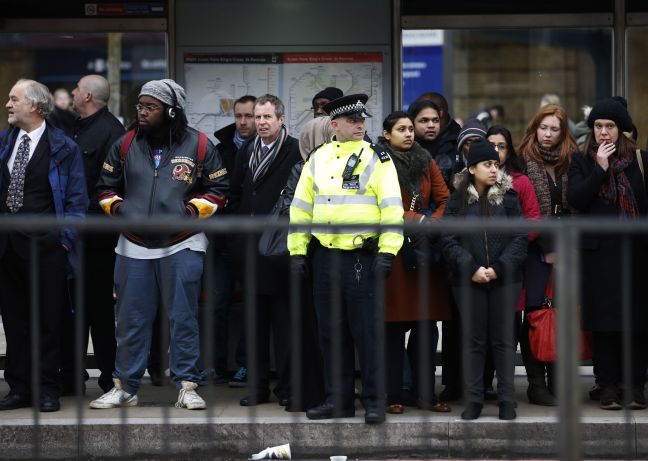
[382, 265]
[299, 264]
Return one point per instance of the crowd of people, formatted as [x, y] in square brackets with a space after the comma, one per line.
[376, 293]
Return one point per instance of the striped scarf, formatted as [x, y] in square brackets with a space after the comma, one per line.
[259, 163]
[618, 189]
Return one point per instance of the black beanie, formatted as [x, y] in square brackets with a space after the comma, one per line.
[331, 93]
[611, 109]
[481, 150]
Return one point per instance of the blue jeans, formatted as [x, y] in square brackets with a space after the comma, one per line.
[143, 284]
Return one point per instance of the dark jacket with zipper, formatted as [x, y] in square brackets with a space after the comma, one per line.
[505, 252]
[137, 189]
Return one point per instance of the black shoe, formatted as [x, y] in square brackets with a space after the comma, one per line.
[328, 411]
[472, 411]
[490, 394]
[284, 402]
[595, 393]
[252, 400]
[47, 404]
[450, 394]
[507, 410]
[540, 395]
[610, 399]
[14, 401]
[638, 399]
[374, 416]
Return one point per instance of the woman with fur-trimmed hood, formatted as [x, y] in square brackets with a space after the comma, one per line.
[424, 195]
[486, 269]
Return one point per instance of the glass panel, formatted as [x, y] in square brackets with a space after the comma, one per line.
[59, 60]
[637, 41]
[476, 69]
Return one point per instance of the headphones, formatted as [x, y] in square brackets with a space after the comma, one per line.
[171, 111]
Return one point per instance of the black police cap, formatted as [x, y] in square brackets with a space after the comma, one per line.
[351, 105]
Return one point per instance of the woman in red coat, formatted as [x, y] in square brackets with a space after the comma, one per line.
[410, 306]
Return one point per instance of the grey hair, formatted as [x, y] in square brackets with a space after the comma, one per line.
[39, 95]
[280, 110]
[99, 87]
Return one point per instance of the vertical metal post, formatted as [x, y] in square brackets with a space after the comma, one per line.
[568, 301]
[397, 58]
[171, 40]
[620, 60]
[34, 332]
[114, 71]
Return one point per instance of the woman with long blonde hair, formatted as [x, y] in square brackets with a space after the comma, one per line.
[546, 151]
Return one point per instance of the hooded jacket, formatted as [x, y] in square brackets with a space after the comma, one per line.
[505, 252]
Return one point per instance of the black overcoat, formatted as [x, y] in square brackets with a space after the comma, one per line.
[258, 199]
[601, 261]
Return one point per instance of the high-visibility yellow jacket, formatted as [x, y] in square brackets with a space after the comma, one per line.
[320, 198]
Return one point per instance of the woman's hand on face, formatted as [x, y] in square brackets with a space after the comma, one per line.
[550, 258]
[480, 275]
[602, 155]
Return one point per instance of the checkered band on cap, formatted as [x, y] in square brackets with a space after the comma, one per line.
[351, 108]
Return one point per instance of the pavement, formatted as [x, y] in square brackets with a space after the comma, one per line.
[157, 430]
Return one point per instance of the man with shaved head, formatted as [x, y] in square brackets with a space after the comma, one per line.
[94, 131]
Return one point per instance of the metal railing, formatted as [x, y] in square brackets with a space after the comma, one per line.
[567, 234]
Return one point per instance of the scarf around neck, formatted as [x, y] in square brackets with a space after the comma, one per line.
[410, 165]
[259, 163]
[238, 139]
[537, 174]
[617, 189]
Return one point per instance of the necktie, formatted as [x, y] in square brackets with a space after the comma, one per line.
[264, 151]
[17, 181]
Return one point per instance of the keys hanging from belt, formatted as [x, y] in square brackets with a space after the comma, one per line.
[358, 269]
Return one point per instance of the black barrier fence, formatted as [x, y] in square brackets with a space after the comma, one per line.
[157, 430]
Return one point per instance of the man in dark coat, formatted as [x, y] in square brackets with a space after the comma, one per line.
[94, 131]
[231, 138]
[41, 173]
[261, 171]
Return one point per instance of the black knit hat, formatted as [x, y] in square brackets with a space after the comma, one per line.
[331, 93]
[611, 109]
[480, 151]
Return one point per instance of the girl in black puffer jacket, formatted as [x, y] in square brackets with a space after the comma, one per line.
[486, 268]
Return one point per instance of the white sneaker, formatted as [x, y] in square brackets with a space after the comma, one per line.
[115, 397]
[188, 397]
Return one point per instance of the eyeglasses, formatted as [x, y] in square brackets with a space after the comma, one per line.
[146, 109]
[500, 146]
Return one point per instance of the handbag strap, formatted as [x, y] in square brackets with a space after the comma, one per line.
[548, 301]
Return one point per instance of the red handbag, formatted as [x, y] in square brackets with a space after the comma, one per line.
[542, 330]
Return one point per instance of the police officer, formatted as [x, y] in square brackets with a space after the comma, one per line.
[348, 181]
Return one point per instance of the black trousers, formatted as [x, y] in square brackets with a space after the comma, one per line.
[421, 351]
[349, 313]
[98, 313]
[488, 318]
[15, 299]
[607, 348]
[451, 349]
[272, 314]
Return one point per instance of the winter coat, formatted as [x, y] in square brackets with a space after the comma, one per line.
[226, 147]
[65, 178]
[444, 151]
[95, 135]
[601, 262]
[505, 252]
[530, 210]
[402, 289]
[134, 187]
[258, 199]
